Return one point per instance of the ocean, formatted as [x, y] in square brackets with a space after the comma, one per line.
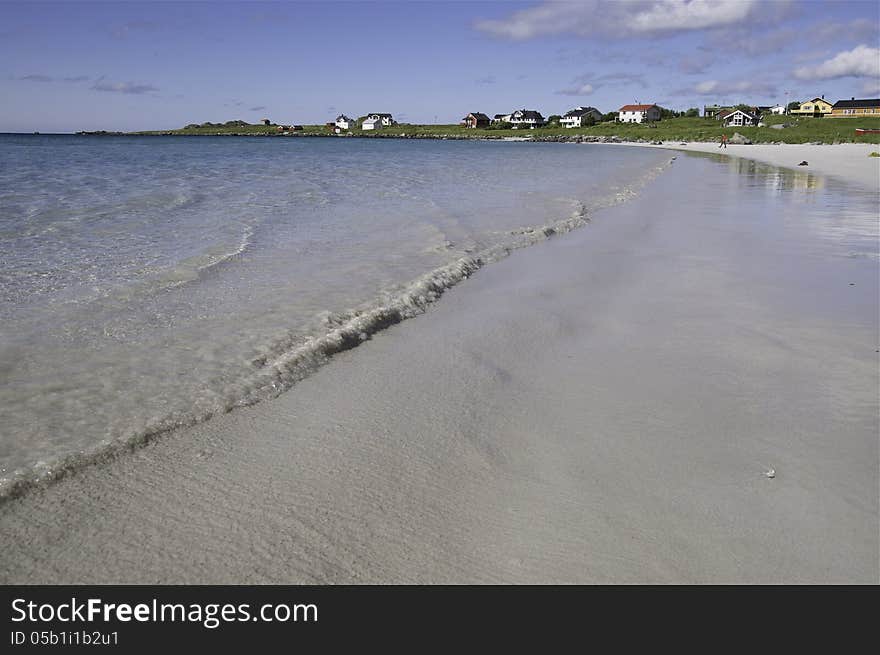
[147, 283]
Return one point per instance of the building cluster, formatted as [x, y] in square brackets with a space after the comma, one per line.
[814, 108]
[738, 116]
[519, 119]
[577, 117]
[819, 108]
[373, 121]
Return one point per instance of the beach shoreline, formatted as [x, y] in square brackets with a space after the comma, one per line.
[603, 407]
[849, 162]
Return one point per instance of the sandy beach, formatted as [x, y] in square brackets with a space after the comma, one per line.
[848, 162]
[676, 393]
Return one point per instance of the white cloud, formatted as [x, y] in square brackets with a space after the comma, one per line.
[706, 87]
[861, 61]
[676, 15]
[621, 17]
[123, 87]
[47, 78]
[583, 90]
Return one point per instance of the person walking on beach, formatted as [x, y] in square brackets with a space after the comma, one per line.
[723, 143]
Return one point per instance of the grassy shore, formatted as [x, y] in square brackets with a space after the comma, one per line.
[803, 130]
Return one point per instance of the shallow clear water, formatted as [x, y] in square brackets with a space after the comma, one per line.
[146, 282]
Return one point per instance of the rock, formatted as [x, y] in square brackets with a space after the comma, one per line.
[739, 140]
[803, 163]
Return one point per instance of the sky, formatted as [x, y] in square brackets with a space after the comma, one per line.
[68, 66]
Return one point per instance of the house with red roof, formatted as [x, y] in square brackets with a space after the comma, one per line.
[638, 113]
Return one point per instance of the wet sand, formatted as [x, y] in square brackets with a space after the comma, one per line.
[603, 407]
[848, 162]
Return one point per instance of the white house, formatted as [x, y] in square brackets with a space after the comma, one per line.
[738, 118]
[638, 113]
[779, 110]
[526, 118]
[376, 121]
[577, 117]
[501, 118]
[343, 122]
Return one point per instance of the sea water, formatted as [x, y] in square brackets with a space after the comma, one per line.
[150, 282]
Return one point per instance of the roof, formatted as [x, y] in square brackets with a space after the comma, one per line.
[728, 114]
[637, 107]
[581, 111]
[376, 113]
[852, 104]
[529, 113]
[342, 117]
[479, 116]
[501, 115]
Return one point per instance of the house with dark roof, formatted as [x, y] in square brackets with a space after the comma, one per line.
[343, 122]
[856, 108]
[817, 108]
[526, 118]
[501, 118]
[577, 117]
[475, 119]
[638, 113]
[375, 121]
[712, 111]
[739, 118]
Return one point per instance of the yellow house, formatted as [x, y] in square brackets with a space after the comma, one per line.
[817, 107]
[856, 108]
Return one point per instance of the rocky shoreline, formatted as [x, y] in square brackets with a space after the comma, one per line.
[736, 139]
[557, 138]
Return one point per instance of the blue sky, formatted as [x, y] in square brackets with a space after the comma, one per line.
[68, 66]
